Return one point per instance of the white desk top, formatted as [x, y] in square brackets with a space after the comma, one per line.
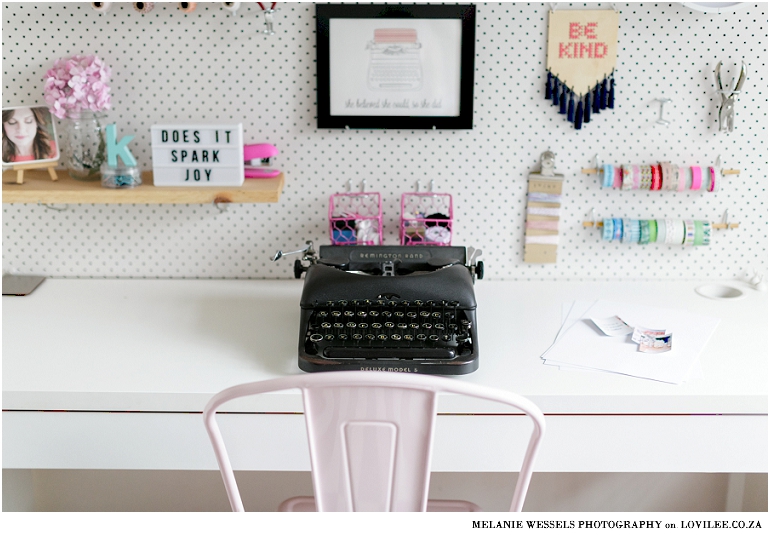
[168, 345]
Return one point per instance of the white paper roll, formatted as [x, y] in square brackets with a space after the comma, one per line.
[101, 7]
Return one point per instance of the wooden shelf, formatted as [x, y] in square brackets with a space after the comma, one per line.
[39, 188]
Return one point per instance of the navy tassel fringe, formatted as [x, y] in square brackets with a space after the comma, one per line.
[578, 108]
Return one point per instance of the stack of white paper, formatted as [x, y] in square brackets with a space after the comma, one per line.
[580, 344]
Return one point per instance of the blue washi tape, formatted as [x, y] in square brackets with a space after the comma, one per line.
[609, 230]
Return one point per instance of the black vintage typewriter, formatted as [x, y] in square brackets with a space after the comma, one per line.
[389, 308]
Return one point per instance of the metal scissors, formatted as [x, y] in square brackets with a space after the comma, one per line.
[727, 107]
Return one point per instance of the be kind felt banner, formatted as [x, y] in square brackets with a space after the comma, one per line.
[582, 52]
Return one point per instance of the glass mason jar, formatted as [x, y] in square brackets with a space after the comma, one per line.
[84, 147]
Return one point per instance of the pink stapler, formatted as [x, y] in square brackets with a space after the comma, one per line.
[257, 158]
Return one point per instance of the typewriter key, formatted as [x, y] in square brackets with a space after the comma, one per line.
[418, 303]
[411, 314]
[453, 304]
[349, 313]
[358, 336]
[433, 337]
[316, 337]
[343, 303]
[386, 314]
[329, 337]
[436, 314]
[342, 336]
[414, 325]
[439, 326]
[382, 336]
[377, 325]
[427, 326]
[424, 313]
[362, 313]
[401, 325]
[422, 337]
[370, 337]
[395, 336]
[389, 324]
[326, 325]
[398, 314]
[322, 314]
[363, 325]
[338, 325]
[374, 313]
[446, 337]
[408, 337]
[351, 325]
[336, 313]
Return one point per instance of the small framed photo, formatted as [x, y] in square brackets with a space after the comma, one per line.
[29, 136]
[395, 66]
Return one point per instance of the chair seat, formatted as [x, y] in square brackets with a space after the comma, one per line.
[306, 504]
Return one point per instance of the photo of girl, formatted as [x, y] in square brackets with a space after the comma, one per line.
[28, 135]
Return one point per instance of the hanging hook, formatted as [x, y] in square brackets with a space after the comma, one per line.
[268, 17]
[52, 207]
[661, 120]
[224, 201]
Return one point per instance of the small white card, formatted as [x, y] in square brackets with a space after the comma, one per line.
[641, 332]
[612, 326]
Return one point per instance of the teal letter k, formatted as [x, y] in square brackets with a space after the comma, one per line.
[115, 149]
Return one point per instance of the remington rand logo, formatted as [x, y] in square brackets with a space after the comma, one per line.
[392, 256]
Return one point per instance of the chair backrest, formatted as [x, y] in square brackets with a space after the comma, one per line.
[371, 435]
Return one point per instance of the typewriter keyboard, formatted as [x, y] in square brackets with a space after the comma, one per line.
[389, 330]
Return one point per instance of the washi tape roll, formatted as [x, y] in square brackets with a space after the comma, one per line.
[637, 176]
[653, 229]
[717, 179]
[661, 228]
[635, 231]
[682, 183]
[689, 232]
[101, 7]
[608, 230]
[674, 232]
[187, 7]
[644, 232]
[706, 233]
[628, 177]
[617, 178]
[608, 176]
[617, 224]
[697, 177]
[143, 7]
[698, 231]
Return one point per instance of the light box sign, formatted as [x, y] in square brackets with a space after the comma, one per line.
[197, 155]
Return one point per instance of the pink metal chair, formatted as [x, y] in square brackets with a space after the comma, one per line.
[370, 436]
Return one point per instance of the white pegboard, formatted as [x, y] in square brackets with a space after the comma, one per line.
[209, 65]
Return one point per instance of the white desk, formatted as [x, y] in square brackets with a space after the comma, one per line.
[113, 374]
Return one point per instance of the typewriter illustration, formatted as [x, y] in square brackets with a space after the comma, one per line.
[389, 308]
[394, 62]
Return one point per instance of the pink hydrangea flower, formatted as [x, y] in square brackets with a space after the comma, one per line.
[76, 84]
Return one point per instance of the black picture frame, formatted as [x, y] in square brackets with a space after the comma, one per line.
[466, 14]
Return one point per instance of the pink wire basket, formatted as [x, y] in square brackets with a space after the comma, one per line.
[355, 218]
[426, 219]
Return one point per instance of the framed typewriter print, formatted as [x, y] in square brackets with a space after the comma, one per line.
[395, 66]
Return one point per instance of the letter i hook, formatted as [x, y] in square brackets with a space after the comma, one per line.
[661, 120]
